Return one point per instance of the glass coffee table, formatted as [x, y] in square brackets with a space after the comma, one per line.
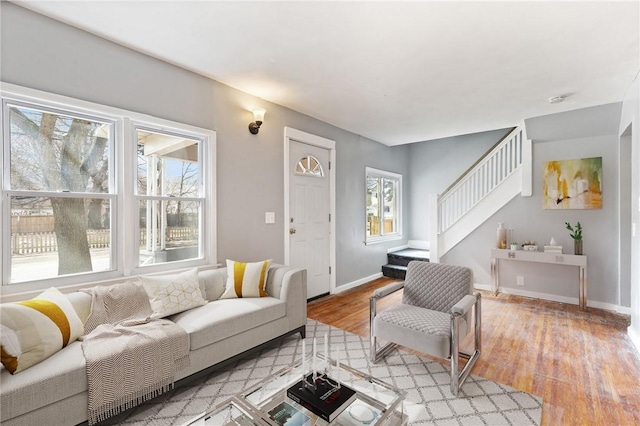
[267, 403]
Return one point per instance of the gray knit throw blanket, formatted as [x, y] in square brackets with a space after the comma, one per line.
[132, 360]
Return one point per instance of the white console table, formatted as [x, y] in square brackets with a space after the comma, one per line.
[498, 255]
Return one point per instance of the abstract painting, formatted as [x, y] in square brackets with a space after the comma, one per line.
[573, 184]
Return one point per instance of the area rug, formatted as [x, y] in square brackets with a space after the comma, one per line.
[429, 400]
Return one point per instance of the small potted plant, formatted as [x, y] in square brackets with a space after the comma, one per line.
[576, 234]
[514, 246]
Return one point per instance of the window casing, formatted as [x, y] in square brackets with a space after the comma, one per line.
[383, 212]
[71, 200]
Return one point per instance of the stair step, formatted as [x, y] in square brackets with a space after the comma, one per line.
[394, 271]
[403, 257]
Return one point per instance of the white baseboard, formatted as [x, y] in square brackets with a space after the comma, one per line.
[555, 298]
[485, 287]
[357, 283]
[610, 307]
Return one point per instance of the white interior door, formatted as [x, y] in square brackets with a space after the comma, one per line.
[309, 209]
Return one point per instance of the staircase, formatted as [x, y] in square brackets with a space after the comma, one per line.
[501, 174]
[398, 261]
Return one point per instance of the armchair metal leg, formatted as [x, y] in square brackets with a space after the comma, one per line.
[458, 378]
[374, 353]
[372, 337]
[372, 350]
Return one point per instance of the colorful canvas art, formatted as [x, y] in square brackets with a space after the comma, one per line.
[573, 184]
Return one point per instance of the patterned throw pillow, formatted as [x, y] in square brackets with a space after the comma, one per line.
[33, 330]
[170, 294]
[246, 279]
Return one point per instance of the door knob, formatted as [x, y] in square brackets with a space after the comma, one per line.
[292, 230]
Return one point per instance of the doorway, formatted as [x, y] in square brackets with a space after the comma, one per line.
[310, 209]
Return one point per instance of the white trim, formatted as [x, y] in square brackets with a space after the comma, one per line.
[375, 239]
[127, 169]
[206, 182]
[555, 298]
[382, 239]
[357, 283]
[5, 219]
[310, 139]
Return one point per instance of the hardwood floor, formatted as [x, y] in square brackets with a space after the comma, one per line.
[582, 364]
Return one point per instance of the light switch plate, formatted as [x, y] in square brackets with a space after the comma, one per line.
[269, 217]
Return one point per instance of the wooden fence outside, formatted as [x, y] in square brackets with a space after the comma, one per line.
[374, 226]
[23, 243]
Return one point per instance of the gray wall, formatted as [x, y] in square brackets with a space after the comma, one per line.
[436, 164]
[590, 132]
[44, 54]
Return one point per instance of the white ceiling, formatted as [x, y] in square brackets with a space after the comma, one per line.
[395, 72]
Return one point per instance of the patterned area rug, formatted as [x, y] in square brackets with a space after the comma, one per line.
[429, 400]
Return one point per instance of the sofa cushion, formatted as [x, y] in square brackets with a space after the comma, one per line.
[419, 328]
[33, 330]
[170, 294]
[60, 376]
[212, 282]
[221, 319]
[246, 279]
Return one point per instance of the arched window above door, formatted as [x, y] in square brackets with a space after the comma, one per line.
[309, 166]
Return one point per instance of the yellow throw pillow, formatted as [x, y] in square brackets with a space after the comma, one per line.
[246, 279]
[33, 330]
[170, 294]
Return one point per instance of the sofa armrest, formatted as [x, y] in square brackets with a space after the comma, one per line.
[289, 284]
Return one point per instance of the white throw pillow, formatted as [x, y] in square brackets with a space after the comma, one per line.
[246, 279]
[170, 294]
[33, 330]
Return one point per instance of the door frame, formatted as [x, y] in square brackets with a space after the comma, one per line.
[291, 134]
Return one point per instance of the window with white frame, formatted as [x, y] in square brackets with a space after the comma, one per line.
[383, 205]
[169, 195]
[83, 200]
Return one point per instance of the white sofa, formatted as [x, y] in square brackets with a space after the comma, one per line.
[54, 392]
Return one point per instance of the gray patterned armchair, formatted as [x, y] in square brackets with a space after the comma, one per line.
[434, 316]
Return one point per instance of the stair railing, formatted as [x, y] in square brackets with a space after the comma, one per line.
[511, 152]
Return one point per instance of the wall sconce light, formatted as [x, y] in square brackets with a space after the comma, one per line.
[258, 117]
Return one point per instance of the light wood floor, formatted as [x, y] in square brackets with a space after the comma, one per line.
[582, 364]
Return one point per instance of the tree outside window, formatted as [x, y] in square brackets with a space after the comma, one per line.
[59, 192]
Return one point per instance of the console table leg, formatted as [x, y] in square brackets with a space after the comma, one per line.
[494, 275]
[583, 288]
